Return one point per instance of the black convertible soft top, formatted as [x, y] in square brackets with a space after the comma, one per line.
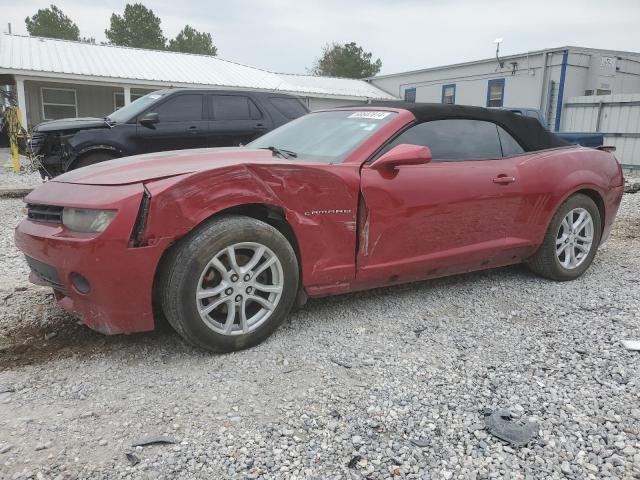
[528, 131]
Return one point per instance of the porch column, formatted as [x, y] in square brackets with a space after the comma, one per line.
[22, 101]
[127, 95]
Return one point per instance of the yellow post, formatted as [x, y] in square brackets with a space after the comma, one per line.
[15, 155]
[14, 132]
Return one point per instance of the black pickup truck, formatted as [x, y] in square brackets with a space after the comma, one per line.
[171, 119]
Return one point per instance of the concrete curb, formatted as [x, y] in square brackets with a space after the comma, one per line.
[15, 192]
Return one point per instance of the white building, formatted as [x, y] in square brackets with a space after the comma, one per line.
[60, 78]
[543, 79]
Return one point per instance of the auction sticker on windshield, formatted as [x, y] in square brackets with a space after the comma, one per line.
[370, 115]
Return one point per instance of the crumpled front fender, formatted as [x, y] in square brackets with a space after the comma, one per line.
[319, 202]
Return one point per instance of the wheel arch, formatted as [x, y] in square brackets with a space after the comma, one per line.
[267, 213]
[590, 191]
[93, 149]
[270, 214]
[597, 199]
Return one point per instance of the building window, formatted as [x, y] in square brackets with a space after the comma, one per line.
[495, 92]
[588, 93]
[449, 94]
[58, 103]
[410, 95]
[603, 91]
[118, 99]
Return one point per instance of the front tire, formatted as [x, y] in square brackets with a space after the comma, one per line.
[229, 284]
[571, 241]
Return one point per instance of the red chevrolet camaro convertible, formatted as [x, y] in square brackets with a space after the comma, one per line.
[223, 242]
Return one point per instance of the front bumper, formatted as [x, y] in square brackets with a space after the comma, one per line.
[121, 277]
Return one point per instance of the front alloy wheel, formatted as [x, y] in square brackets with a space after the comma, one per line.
[240, 288]
[229, 283]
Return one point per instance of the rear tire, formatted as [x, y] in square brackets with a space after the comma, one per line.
[219, 304]
[566, 251]
[93, 158]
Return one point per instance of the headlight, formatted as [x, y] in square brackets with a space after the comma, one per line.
[87, 220]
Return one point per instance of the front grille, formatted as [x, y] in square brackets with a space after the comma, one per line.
[36, 142]
[44, 213]
[46, 273]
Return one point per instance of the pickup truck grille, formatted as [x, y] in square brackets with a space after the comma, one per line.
[44, 213]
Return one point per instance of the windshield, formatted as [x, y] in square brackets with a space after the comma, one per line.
[326, 137]
[127, 112]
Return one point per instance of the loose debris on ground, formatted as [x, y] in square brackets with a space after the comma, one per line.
[631, 345]
[502, 424]
[425, 361]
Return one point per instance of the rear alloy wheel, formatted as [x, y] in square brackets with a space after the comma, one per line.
[575, 238]
[229, 284]
[571, 241]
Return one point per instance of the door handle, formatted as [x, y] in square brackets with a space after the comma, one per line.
[259, 126]
[504, 179]
[192, 129]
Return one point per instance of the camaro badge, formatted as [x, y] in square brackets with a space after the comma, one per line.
[326, 212]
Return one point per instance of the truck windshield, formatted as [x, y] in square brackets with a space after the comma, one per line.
[326, 137]
[136, 107]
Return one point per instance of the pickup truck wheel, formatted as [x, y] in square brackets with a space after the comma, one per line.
[229, 284]
[93, 158]
[571, 241]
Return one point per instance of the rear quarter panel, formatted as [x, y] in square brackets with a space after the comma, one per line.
[548, 178]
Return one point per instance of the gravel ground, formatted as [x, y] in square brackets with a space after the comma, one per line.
[10, 179]
[391, 383]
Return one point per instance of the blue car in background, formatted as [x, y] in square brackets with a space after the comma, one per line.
[585, 139]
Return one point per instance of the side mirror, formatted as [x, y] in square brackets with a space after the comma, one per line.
[149, 119]
[403, 154]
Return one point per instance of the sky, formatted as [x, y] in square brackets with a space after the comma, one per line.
[288, 35]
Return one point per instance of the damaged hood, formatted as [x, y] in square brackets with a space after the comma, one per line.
[154, 166]
[71, 124]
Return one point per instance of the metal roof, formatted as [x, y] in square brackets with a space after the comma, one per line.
[53, 58]
[585, 50]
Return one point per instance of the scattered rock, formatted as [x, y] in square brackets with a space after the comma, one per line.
[354, 461]
[6, 448]
[50, 335]
[420, 442]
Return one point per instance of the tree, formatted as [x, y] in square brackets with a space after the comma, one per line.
[137, 27]
[189, 40]
[348, 60]
[52, 23]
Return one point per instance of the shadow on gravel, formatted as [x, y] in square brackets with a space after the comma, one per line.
[31, 344]
[47, 333]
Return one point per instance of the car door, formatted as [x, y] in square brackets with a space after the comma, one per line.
[450, 215]
[236, 120]
[182, 124]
